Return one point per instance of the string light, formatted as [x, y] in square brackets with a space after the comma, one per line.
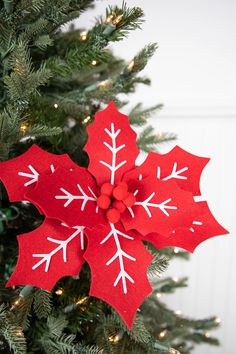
[175, 279]
[218, 320]
[82, 300]
[111, 22]
[26, 291]
[131, 65]
[83, 36]
[59, 292]
[207, 335]
[109, 19]
[71, 307]
[158, 295]
[15, 304]
[178, 313]
[163, 334]
[103, 83]
[19, 333]
[117, 19]
[173, 351]
[55, 105]
[86, 120]
[115, 338]
[176, 250]
[24, 127]
[94, 62]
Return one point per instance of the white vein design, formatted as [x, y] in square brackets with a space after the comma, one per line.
[177, 174]
[83, 196]
[195, 223]
[81, 228]
[34, 176]
[120, 255]
[62, 246]
[146, 204]
[113, 167]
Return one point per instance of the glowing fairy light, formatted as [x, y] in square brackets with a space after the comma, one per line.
[59, 292]
[86, 120]
[83, 36]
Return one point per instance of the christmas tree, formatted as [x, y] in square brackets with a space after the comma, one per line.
[52, 84]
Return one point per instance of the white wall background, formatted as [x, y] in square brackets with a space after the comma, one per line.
[194, 75]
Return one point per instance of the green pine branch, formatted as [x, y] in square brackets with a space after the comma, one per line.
[138, 116]
[12, 333]
[148, 140]
[42, 303]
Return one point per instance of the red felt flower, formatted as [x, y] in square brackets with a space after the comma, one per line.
[102, 214]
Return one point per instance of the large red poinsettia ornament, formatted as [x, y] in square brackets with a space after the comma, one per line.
[102, 214]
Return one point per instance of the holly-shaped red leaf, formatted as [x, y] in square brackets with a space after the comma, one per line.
[111, 145]
[118, 262]
[21, 173]
[203, 227]
[160, 206]
[178, 165]
[48, 253]
[69, 196]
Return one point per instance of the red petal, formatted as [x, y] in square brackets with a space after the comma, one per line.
[21, 173]
[111, 131]
[116, 278]
[46, 241]
[204, 227]
[70, 196]
[178, 165]
[160, 207]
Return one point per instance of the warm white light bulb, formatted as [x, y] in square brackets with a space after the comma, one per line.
[131, 65]
[178, 313]
[86, 120]
[175, 279]
[83, 36]
[162, 334]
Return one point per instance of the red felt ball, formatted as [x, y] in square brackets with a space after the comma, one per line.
[120, 192]
[113, 215]
[107, 188]
[129, 200]
[119, 205]
[103, 201]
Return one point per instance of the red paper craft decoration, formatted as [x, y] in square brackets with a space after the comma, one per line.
[113, 205]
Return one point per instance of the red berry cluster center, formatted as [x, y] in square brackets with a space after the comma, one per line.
[115, 200]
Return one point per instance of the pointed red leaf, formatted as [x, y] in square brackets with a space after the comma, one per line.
[69, 196]
[47, 254]
[111, 145]
[178, 165]
[203, 227]
[118, 262]
[21, 173]
[161, 206]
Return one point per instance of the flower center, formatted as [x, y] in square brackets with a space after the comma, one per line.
[115, 200]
